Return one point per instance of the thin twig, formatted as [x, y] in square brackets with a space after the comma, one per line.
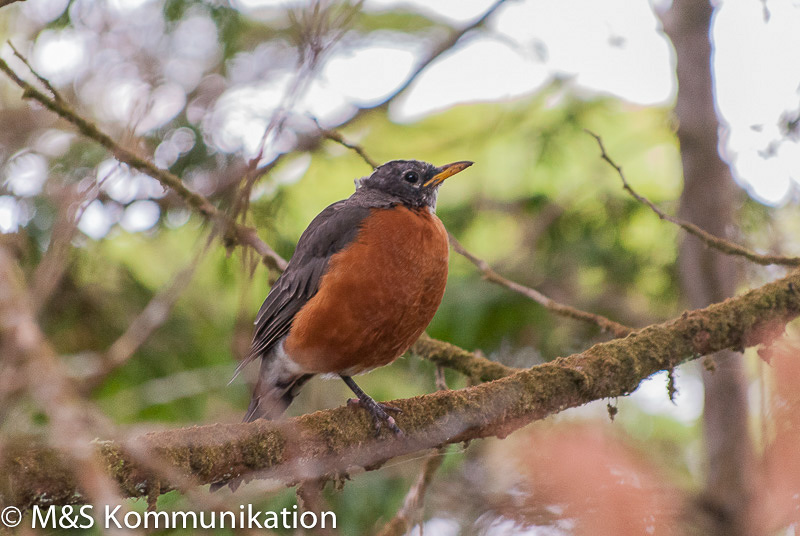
[441, 379]
[310, 499]
[313, 26]
[338, 138]
[142, 327]
[234, 233]
[615, 328]
[710, 240]
[411, 511]
[445, 45]
[53, 265]
[45, 82]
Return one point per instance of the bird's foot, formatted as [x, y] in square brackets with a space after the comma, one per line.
[379, 413]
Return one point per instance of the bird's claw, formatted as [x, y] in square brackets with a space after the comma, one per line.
[380, 414]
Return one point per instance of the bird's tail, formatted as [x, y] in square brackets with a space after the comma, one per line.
[273, 394]
[274, 391]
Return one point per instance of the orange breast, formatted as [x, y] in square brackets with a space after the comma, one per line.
[377, 296]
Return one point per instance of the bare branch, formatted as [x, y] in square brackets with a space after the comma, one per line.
[336, 441]
[151, 318]
[45, 82]
[441, 379]
[615, 328]
[234, 233]
[51, 268]
[408, 514]
[445, 45]
[310, 499]
[442, 47]
[725, 246]
[338, 138]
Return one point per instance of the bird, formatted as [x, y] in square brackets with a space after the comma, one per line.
[365, 280]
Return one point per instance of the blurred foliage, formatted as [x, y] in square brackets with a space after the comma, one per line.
[539, 205]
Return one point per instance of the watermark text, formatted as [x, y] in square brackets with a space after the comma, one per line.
[115, 517]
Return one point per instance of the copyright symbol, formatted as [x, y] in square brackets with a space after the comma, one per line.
[11, 516]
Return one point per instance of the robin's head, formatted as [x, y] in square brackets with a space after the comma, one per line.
[415, 183]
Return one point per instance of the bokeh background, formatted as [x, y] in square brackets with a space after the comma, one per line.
[231, 97]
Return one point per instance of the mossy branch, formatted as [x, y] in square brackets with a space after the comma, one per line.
[337, 441]
[478, 369]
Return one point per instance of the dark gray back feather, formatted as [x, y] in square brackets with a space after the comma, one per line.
[330, 232]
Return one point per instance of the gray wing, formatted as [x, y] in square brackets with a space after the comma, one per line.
[331, 231]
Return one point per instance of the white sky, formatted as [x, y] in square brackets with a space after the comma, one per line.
[604, 46]
[601, 46]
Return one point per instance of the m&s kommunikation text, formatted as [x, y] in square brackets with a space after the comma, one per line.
[83, 517]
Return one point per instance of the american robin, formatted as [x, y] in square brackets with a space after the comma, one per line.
[364, 282]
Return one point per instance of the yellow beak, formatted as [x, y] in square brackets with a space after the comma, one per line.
[446, 171]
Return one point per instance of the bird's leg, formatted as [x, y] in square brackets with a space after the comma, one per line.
[377, 410]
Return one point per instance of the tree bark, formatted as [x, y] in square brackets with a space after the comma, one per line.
[334, 442]
[708, 276]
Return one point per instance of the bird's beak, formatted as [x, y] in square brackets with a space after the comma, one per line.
[446, 171]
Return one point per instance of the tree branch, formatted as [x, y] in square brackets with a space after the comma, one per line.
[336, 441]
[410, 512]
[234, 233]
[446, 44]
[615, 328]
[44, 81]
[406, 516]
[4, 3]
[155, 313]
[443, 47]
[333, 135]
[725, 246]
[478, 369]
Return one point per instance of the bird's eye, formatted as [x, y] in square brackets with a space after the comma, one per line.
[411, 177]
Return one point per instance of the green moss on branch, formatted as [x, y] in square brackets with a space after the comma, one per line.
[479, 369]
[337, 441]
